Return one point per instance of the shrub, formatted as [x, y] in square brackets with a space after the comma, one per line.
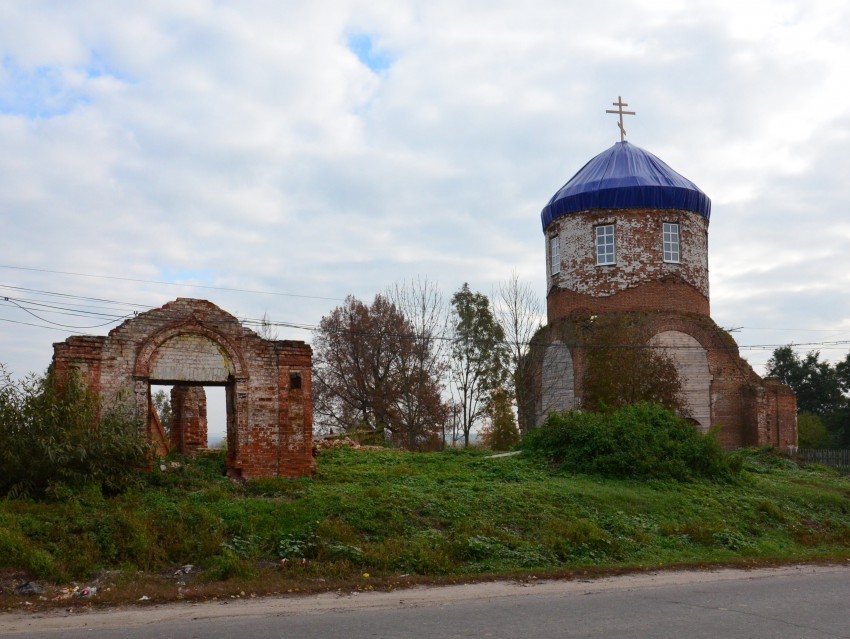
[51, 442]
[640, 441]
[502, 432]
[812, 431]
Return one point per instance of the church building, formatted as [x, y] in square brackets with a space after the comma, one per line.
[627, 268]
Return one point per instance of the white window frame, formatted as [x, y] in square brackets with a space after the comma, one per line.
[606, 254]
[555, 255]
[671, 241]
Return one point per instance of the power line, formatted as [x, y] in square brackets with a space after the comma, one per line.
[47, 321]
[141, 281]
[70, 296]
[50, 328]
[73, 309]
[62, 310]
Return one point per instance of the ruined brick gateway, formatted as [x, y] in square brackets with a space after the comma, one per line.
[627, 244]
[193, 343]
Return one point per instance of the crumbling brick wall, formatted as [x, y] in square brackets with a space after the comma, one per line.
[194, 342]
[745, 410]
[640, 279]
[657, 297]
[188, 419]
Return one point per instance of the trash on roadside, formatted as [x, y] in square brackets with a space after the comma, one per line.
[28, 588]
[67, 593]
[185, 570]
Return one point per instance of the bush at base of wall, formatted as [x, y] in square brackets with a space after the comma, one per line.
[640, 441]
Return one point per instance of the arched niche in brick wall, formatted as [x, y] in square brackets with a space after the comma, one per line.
[558, 380]
[691, 361]
[190, 352]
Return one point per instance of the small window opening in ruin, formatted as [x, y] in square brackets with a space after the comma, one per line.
[295, 381]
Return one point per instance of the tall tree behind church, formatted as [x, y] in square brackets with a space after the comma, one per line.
[520, 312]
[479, 356]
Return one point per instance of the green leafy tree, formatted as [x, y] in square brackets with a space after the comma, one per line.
[502, 432]
[479, 357]
[820, 388]
[162, 406]
[811, 431]
[620, 370]
[817, 384]
[838, 425]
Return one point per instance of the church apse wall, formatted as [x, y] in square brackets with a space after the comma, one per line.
[192, 343]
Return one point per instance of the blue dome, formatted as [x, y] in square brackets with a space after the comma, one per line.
[626, 177]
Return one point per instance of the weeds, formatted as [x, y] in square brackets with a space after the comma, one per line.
[427, 515]
[639, 441]
[53, 443]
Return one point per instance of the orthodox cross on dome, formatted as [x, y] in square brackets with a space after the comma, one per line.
[620, 104]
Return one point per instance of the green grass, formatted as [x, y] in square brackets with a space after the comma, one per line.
[450, 515]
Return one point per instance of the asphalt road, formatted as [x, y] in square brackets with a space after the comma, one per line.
[794, 602]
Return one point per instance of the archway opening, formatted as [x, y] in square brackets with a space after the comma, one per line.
[191, 416]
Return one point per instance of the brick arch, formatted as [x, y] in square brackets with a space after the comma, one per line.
[142, 368]
[269, 419]
[701, 329]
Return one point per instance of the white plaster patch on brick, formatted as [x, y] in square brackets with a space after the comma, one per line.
[691, 363]
[558, 392]
[638, 250]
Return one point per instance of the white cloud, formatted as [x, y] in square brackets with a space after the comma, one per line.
[246, 145]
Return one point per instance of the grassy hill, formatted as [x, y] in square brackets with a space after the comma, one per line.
[378, 519]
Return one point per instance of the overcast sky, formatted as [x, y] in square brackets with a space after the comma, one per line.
[317, 149]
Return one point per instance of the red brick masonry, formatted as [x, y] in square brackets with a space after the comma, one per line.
[190, 342]
[655, 297]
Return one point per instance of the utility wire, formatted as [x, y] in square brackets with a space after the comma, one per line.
[70, 296]
[207, 287]
[62, 310]
[50, 328]
[29, 306]
[47, 321]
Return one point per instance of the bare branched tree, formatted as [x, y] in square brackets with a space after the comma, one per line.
[266, 329]
[422, 409]
[520, 313]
